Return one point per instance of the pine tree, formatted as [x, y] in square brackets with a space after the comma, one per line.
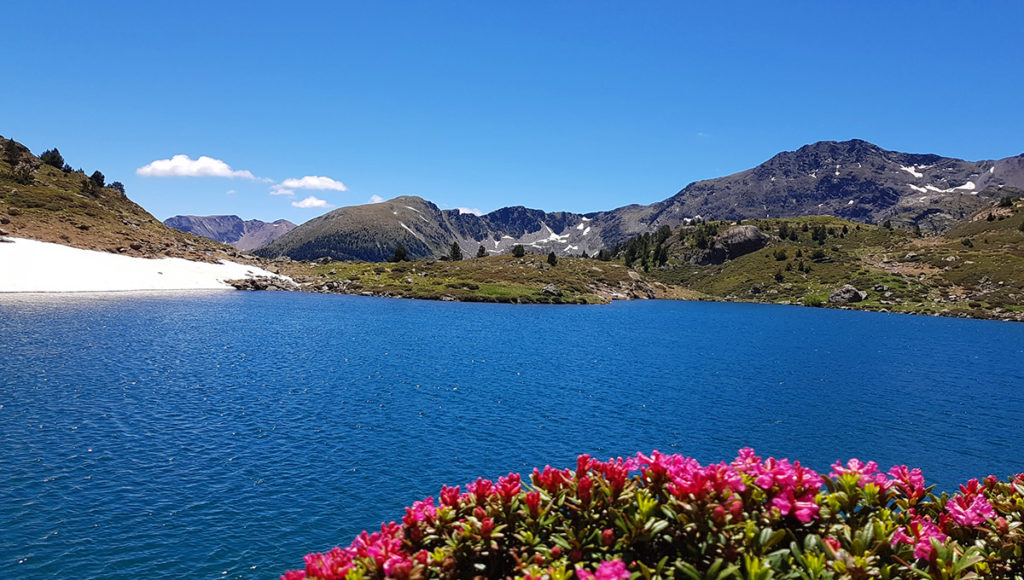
[52, 157]
[401, 255]
[552, 259]
[455, 254]
[518, 251]
[481, 252]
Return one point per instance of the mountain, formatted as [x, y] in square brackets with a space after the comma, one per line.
[372, 232]
[49, 202]
[854, 180]
[244, 235]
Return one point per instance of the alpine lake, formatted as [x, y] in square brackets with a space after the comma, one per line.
[227, 434]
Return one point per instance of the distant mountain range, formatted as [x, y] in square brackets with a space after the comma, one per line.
[851, 179]
[244, 235]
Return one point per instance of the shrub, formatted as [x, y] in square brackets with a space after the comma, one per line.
[518, 251]
[668, 516]
[481, 251]
[780, 254]
[52, 157]
[97, 178]
[814, 300]
[552, 259]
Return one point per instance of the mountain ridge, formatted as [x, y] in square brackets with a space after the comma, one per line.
[243, 235]
[852, 179]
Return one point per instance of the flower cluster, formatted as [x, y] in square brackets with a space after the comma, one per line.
[668, 516]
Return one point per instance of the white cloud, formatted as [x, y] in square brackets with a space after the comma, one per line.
[311, 202]
[232, 192]
[278, 190]
[471, 210]
[315, 182]
[184, 166]
[376, 199]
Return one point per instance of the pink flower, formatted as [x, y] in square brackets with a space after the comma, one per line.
[607, 537]
[509, 487]
[615, 471]
[481, 489]
[420, 511]
[533, 502]
[910, 481]
[551, 479]
[832, 544]
[866, 473]
[582, 464]
[398, 567]
[803, 508]
[919, 533]
[970, 510]
[607, 570]
[450, 495]
[486, 527]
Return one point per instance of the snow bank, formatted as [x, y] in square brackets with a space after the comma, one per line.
[33, 266]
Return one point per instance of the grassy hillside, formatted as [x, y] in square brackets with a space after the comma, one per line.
[504, 278]
[975, 269]
[59, 205]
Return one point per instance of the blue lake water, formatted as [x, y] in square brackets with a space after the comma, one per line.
[228, 434]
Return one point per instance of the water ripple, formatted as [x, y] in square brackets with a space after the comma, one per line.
[227, 434]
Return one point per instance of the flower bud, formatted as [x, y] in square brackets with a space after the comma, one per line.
[607, 537]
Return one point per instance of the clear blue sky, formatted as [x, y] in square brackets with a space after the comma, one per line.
[578, 106]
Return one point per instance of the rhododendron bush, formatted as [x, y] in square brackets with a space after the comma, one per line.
[668, 516]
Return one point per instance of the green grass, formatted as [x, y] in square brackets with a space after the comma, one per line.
[489, 279]
[982, 279]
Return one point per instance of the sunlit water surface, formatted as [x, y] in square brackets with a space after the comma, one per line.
[228, 434]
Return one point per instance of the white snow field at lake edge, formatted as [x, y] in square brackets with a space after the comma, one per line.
[34, 266]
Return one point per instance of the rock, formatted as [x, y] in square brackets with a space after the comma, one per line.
[733, 243]
[847, 294]
[135, 246]
[4, 232]
[5, 220]
[262, 283]
[552, 290]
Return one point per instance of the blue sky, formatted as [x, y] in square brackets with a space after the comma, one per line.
[577, 106]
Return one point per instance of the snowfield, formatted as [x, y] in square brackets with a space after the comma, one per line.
[33, 266]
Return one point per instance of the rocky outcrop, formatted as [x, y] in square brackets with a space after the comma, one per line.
[551, 290]
[847, 294]
[263, 283]
[732, 243]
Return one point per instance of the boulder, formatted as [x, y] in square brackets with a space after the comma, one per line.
[847, 294]
[733, 243]
[551, 290]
